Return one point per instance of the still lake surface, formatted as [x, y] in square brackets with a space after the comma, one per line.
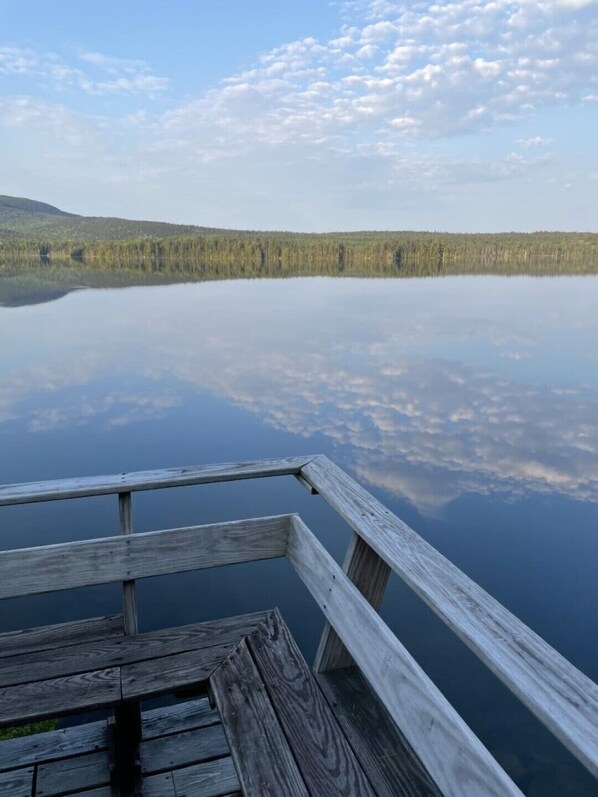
[468, 405]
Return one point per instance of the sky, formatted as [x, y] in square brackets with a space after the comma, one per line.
[304, 115]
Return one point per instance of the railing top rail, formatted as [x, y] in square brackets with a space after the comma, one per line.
[561, 696]
[86, 486]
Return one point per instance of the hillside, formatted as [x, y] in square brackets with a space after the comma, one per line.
[38, 220]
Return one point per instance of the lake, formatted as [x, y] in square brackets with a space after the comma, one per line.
[468, 405]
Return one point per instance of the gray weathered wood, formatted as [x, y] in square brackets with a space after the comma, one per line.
[455, 758]
[125, 514]
[325, 759]
[28, 571]
[80, 487]
[391, 765]
[182, 749]
[103, 791]
[178, 718]
[46, 699]
[561, 696]
[72, 774]
[169, 673]
[211, 779]
[159, 785]
[263, 759]
[51, 745]
[61, 635]
[126, 650]
[370, 575]
[18, 783]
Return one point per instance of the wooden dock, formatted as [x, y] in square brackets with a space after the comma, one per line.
[366, 721]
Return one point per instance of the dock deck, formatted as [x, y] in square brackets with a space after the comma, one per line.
[366, 721]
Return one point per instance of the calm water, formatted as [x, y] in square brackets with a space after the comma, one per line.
[468, 405]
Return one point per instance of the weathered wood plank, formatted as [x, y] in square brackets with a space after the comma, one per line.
[51, 745]
[163, 675]
[61, 635]
[391, 765]
[325, 759]
[559, 694]
[370, 575]
[263, 759]
[79, 487]
[103, 791]
[57, 696]
[28, 571]
[454, 757]
[159, 785]
[211, 779]
[178, 718]
[72, 774]
[126, 650]
[18, 783]
[125, 515]
[183, 749]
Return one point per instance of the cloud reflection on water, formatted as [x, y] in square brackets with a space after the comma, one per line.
[426, 388]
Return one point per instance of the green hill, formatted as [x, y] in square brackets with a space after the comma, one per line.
[38, 220]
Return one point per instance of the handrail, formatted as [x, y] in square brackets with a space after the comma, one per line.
[561, 696]
[86, 486]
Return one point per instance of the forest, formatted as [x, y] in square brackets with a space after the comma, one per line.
[235, 253]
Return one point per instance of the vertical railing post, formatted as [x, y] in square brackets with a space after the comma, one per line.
[127, 717]
[125, 513]
[370, 575]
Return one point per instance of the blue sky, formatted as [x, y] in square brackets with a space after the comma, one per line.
[355, 114]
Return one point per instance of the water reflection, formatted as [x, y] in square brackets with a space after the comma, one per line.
[426, 388]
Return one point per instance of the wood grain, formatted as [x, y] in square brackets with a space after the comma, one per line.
[29, 492]
[125, 515]
[61, 635]
[182, 749]
[126, 650]
[211, 779]
[29, 571]
[454, 757]
[57, 696]
[391, 765]
[177, 718]
[370, 575]
[72, 774]
[264, 762]
[560, 695]
[52, 745]
[18, 783]
[324, 757]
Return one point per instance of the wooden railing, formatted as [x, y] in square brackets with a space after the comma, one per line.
[562, 697]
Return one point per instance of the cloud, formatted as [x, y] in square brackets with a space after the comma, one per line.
[108, 76]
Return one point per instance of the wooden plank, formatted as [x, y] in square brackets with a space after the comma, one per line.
[163, 675]
[177, 718]
[183, 749]
[159, 785]
[560, 695]
[51, 745]
[210, 779]
[72, 774]
[61, 635]
[57, 696]
[26, 493]
[29, 571]
[324, 757]
[263, 759]
[18, 783]
[391, 765]
[126, 650]
[103, 791]
[454, 757]
[370, 575]
[125, 514]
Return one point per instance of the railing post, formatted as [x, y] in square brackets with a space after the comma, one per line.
[370, 575]
[127, 717]
[129, 598]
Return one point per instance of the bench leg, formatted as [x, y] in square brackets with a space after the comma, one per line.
[124, 730]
